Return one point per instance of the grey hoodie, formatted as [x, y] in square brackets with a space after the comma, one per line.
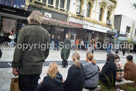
[89, 70]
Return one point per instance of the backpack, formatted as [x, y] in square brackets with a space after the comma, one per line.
[0, 53]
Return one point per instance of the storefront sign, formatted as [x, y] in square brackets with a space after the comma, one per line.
[89, 25]
[62, 22]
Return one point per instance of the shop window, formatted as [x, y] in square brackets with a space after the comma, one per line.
[88, 9]
[62, 3]
[101, 14]
[57, 3]
[78, 7]
[1, 1]
[50, 2]
[128, 29]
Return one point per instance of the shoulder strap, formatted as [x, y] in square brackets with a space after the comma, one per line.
[92, 75]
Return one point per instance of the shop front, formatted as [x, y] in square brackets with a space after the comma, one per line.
[11, 20]
[60, 28]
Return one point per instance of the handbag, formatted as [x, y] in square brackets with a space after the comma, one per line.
[14, 84]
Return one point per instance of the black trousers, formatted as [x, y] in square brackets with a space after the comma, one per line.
[64, 62]
[28, 82]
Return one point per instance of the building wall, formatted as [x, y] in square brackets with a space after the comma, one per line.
[128, 22]
[95, 12]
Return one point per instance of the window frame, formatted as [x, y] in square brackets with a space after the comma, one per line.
[88, 10]
[101, 14]
[78, 6]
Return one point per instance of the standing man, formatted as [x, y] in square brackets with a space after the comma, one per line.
[52, 43]
[123, 50]
[65, 51]
[57, 43]
[28, 61]
[92, 46]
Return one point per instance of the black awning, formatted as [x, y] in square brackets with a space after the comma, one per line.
[122, 35]
[111, 33]
[14, 11]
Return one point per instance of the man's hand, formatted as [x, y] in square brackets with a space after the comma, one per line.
[14, 72]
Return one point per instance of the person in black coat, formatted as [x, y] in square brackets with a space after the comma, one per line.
[53, 80]
[57, 41]
[75, 78]
[107, 76]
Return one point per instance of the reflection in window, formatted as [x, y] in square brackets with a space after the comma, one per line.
[78, 6]
[50, 2]
[57, 3]
[88, 9]
[100, 16]
[61, 3]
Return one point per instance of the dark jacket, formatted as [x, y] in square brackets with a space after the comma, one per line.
[66, 49]
[57, 41]
[75, 79]
[130, 71]
[29, 59]
[107, 74]
[0, 53]
[50, 84]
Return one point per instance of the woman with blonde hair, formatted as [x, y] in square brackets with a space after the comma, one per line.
[75, 77]
[28, 62]
[91, 72]
[53, 80]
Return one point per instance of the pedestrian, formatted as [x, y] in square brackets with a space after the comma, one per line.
[130, 69]
[120, 68]
[57, 41]
[75, 77]
[85, 43]
[27, 62]
[123, 51]
[92, 46]
[65, 52]
[91, 73]
[52, 45]
[107, 76]
[53, 80]
[77, 43]
[109, 49]
[12, 37]
[82, 44]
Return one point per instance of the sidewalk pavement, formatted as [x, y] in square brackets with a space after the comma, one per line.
[6, 73]
[55, 55]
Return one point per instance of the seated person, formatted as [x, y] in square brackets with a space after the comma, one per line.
[75, 77]
[120, 68]
[107, 76]
[130, 69]
[91, 73]
[53, 80]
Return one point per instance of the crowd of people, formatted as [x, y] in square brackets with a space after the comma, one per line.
[27, 64]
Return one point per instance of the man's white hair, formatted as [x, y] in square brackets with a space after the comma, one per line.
[35, 17]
